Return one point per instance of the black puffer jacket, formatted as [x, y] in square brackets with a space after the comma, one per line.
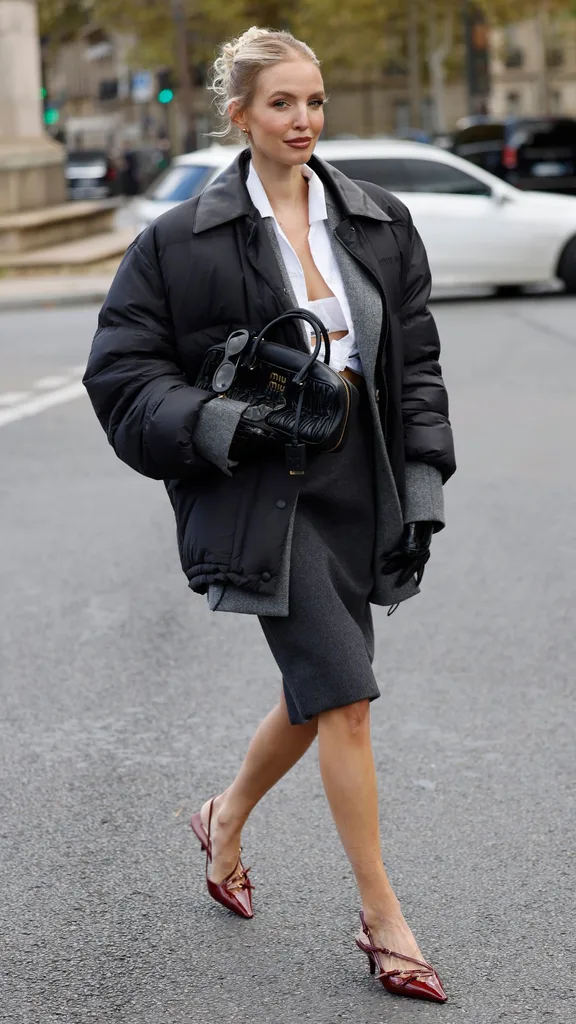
[193, 276]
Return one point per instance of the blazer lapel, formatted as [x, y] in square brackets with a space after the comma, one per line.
[361, 291]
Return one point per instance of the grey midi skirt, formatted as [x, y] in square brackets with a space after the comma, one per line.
[324, 648]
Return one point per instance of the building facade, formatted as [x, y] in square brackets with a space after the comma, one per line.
[97, 99]
[533, 68]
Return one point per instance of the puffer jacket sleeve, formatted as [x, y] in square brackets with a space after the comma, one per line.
[140, 395]
[427, 431]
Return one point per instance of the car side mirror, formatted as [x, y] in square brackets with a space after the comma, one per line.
[501, 198]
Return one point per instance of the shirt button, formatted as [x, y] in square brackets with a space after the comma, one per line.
[280, 504]
[265, 577]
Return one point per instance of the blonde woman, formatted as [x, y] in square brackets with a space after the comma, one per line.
[309, 555]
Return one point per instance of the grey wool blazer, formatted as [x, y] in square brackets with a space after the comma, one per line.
[424, 494]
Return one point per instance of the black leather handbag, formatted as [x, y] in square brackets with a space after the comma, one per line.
[298, 406]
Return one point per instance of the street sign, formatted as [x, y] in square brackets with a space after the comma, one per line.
[143, 86]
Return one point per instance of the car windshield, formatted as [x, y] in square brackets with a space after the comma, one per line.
[180, 182]
[387, 172]
[86, 156]
[413, 174]
[478, 134]
[545, 135]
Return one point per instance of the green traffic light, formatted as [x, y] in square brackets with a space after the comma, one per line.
[43, 93]
[165, 96]
[51, 116]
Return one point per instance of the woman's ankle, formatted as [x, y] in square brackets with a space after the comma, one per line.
[381, 911]
[231, 814]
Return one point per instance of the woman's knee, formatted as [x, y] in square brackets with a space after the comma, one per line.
[352, 719]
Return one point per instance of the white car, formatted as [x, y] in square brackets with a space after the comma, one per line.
[477, 229]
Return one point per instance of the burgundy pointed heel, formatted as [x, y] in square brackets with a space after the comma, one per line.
[416, 984]
[235, 891]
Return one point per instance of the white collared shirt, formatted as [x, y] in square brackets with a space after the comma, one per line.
[344, 352]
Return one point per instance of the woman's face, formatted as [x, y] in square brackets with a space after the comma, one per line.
[285, 117]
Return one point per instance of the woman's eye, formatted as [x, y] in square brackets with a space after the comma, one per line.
[282, 103]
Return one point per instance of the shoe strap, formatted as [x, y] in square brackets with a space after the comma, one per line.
[371, 948]
[209, 843]
[238, 878]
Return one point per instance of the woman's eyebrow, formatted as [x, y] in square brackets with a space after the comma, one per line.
[283, 92]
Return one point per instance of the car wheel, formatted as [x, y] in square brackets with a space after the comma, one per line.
[567, 267]
[508, 291]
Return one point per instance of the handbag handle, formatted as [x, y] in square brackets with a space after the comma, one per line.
[320, 333]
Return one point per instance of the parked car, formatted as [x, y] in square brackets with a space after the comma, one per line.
[528, 152]
[478, 230]
[90, 174]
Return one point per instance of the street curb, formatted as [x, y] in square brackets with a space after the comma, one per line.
[11, 305]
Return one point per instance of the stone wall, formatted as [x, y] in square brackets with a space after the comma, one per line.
[31, 164]
[30, 175]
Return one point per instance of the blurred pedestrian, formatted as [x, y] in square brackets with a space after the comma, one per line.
[129, 171]
[281, 228]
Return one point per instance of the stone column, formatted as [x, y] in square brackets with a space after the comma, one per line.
[31, 163]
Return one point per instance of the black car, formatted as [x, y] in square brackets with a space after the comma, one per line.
[90, 174]
[535, 153]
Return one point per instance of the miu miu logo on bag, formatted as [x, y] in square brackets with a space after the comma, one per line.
[277, 382]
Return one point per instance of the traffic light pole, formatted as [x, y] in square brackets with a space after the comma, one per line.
[414, 76]
[185, 91]
[477, 57]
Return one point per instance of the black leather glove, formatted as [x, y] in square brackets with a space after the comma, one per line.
[411, 559]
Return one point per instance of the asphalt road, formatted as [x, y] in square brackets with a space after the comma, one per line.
[126, 703]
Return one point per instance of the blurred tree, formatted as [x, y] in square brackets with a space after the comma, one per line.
[435, 28]
[504, 12]
[354, 40]
[60, 20]
[181, 35]
[349, 36]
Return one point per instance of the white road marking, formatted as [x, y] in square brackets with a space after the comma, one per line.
[41, 402]
[50, 383]
[13, 397]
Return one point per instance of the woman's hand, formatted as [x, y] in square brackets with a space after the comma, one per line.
[411, 559]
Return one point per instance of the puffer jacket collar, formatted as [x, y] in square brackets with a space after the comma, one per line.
[227, 198]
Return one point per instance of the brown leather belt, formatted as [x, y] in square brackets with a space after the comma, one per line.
[355, 378]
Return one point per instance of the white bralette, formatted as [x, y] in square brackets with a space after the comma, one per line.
[329, 311]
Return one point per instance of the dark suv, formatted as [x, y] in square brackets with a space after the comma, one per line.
[90, 174]
[535, 153]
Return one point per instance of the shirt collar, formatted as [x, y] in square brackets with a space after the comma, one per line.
[227, 198]
[316, 197]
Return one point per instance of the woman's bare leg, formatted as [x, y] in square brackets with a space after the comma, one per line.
[349, 777]
[275, 747]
